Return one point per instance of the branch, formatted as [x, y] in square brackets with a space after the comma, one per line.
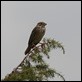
[44, 48]
[28, 56]
[60, 76]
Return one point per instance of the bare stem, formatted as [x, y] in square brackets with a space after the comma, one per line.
[60, 76]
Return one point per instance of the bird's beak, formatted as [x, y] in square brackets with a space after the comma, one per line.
[45, 24]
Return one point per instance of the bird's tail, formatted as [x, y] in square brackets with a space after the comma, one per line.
[27, 50]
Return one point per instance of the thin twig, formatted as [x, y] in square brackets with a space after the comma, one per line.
[21, 63]
[60, 76]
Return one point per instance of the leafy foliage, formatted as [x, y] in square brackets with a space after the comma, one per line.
[33, 67]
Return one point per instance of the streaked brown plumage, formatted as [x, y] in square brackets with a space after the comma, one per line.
[36, 36]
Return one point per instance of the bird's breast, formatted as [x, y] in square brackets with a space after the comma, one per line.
[42, 30]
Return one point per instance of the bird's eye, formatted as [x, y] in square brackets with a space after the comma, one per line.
[40, 24]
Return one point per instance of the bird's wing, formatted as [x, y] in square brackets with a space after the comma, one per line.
[33, 35]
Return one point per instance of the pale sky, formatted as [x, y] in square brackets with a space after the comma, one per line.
[63, 19]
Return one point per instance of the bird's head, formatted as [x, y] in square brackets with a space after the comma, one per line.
[41, 24]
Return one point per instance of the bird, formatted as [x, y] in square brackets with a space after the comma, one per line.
[36, 36]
